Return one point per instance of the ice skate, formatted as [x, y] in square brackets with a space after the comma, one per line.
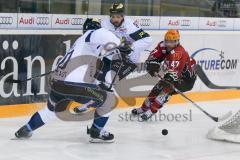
[100, 136]
[137, 111]
[147, 115]
[23, 132]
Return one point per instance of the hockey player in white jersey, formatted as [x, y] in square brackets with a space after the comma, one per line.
[129, 33]
[124, 28]
[73, 81]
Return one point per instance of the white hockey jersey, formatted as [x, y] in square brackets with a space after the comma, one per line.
[140, 40]
[79, 63]
[127, 27]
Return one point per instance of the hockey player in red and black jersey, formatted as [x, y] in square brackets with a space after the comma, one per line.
[178, 68]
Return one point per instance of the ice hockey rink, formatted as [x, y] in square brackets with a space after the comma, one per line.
[133, 139]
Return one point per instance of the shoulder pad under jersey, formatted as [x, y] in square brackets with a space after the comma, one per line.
[129, 24]
[178, 52]
[105, 23]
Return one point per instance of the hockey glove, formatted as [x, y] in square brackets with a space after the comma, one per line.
[153, 66]
[125, 49]
[171, 77]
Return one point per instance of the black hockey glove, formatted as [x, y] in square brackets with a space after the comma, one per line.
[102, 67]
[171, 77]
[125, 49]
[153, 66]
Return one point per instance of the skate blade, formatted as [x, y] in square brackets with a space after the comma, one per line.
[146, 119]
[19, 139]
[96, 140]
[137, 115]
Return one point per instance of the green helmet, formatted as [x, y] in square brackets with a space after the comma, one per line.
[117, 8]
[91, 24]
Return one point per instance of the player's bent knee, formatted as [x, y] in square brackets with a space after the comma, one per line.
[187, 85]
[46, 115]
[108, 105]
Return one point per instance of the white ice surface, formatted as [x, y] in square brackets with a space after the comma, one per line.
[133, 140]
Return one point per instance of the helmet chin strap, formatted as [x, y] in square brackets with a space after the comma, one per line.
[168, 50]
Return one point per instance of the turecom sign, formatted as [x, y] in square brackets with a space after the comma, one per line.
[215, 60]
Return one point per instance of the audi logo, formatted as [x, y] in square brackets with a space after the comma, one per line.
[185, 22]
[77, 21]
[222, 23]
[144, 22]
[6, 20]
[42, 20]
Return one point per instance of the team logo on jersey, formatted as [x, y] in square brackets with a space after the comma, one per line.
[176, 55]
[123, 29]
[172, 51]
[136, 23]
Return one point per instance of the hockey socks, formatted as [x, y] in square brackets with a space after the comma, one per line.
[99, 122]
[35, 122]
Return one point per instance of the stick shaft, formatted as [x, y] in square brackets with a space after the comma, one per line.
[38, 76]
[28, 79]
[196, 105]
[191, 101]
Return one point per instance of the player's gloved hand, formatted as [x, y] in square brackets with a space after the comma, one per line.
[171, 77]
[153, 66]
[125, 49]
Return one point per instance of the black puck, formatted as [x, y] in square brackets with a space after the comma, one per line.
[164, 132]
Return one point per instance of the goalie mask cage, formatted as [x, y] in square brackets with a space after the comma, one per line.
[227, 131]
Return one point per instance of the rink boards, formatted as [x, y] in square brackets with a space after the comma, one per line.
[28, 109]
[215, 51]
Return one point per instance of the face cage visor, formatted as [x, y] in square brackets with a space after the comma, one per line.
[171, 44]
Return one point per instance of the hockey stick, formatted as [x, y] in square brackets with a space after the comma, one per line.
[115, 76]
[38, 76]
[208, 83]
[21, 81]
[216, 119]
[111, 52]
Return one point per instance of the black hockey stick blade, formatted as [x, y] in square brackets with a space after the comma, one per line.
[19, 81]
[208, 83]
[25, 80]
[13, 81]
